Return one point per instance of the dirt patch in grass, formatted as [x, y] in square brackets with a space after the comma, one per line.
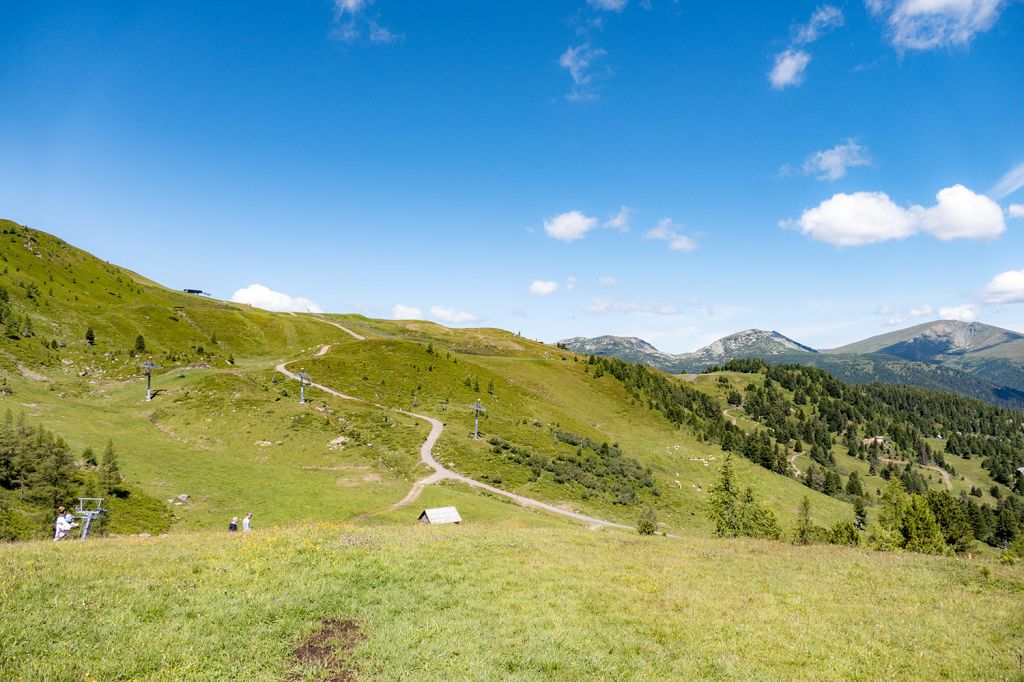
[326, 651]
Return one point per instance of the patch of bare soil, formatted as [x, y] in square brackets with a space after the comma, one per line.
[326, 651]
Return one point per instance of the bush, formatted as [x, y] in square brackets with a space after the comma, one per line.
[647, 524]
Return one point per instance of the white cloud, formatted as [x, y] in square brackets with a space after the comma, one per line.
[451, 315]
[406, 312]
[260, 296]
[668, 231]
[825, 19]
[930, 24]
[1015, 211]
[869, 217]
[608, 5]
[968, 312]
[961, 214]
[601, 306]
[901, 316]
[541, 287]
[1009, 183]
[1006, 287]
[579, 62]
[570, 283]
[352, 24]
[569, 227]
[831, 164]
[607, 281]
[620, 222]
[789, 68]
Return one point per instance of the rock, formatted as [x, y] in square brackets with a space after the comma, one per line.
[144, 535]
[183, 497]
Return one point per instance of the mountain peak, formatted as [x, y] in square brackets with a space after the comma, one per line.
[748, 343]
[934, 341]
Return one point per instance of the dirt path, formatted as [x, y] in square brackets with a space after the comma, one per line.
[729, 416]
[440, 472]
[792, 463]
[354, 335]
[946, 480]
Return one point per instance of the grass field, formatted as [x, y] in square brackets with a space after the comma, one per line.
[510, 595]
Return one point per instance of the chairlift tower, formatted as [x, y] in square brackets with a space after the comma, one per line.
[477, 408]
[303, 380]
[149, 366]
[89, 509]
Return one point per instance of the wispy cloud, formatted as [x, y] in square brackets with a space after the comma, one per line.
[669, 232]
[932, 24]
[832, 164]
[451, 315]
[579, 62]
[789, 68]
[352, 23]
[406, 312]
[824, 20]
[899, 316]
[1012, 181]
[620, 222]
[608, 5]
[263, 297]
[790, 65]
[541, 287]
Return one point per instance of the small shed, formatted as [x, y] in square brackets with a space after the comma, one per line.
[440, 515]
[1020, 471]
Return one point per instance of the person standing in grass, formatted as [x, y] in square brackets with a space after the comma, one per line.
[233, 526]
[63, 524]
[247, 522]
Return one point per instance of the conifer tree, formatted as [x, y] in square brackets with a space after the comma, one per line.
[110, 471]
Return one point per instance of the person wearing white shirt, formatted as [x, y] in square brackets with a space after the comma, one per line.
[247, 523]
[63, 524]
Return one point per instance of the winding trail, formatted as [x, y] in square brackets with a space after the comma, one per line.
[792, 463]
[728, 416]
[946, 480]
[427, 455]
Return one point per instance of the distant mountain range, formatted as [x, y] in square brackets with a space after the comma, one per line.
[971, 359]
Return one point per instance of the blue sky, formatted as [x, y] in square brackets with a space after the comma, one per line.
[671, 170]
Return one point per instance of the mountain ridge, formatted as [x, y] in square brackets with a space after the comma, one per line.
[969, 358]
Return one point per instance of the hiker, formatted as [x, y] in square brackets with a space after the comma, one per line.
[247, 522]
[233, 526]
[63, 524]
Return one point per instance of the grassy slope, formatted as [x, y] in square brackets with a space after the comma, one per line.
[507, 599]
[533, 384]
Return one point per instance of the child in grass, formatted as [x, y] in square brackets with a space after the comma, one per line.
[233, 526]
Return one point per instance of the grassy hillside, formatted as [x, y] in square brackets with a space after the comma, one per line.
[225, 429]
[506, 600]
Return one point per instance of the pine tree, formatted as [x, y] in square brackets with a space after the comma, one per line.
[860, 511]
[725, 501]
[1006, 527]
[140, 344]
[920, 530]
[853, 485]
[90, 337]
[804, 525]
[110, 472]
